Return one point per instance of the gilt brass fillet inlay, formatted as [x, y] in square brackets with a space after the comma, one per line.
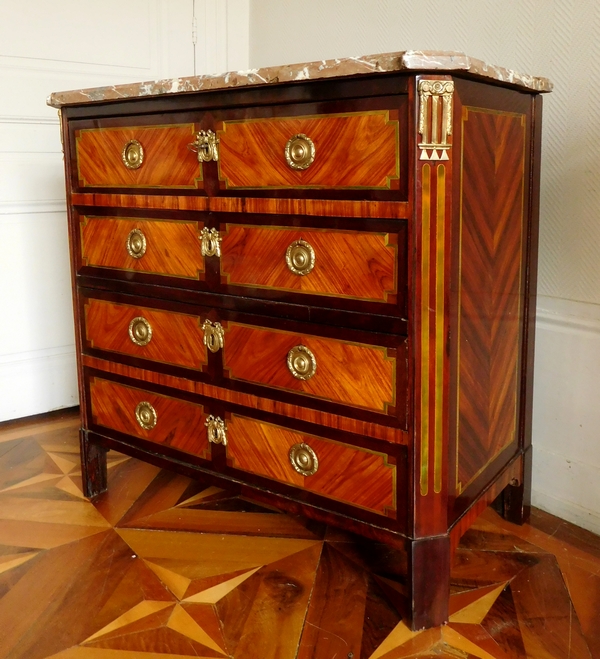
[133, 155]
[388, 511]
[425, 276]
[299, 152]
[432, 327]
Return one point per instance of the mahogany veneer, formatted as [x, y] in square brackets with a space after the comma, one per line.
[370, 311]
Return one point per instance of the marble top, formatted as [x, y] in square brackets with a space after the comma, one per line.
[409, 60]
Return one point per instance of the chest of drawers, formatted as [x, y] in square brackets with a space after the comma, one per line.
[316, 289]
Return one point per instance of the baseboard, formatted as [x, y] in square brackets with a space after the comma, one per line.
[37, 382]
[566, 411]
[583, 517]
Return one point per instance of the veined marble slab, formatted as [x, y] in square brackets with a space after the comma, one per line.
[410, 60]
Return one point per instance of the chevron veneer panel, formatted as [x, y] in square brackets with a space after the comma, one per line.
[490, 287]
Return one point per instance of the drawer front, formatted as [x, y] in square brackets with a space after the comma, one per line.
[139, 245]
[353, 475]
[150, 416]
[351, 264]
[353, 374]
[161, 336]
[137, 157]
[356, 150]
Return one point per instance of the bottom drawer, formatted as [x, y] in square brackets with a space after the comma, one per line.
[357, 476]
[150, 416]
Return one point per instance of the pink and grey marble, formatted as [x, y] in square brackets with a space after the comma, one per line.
[410, 60]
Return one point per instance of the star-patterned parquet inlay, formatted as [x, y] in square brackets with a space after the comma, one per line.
[163, 567]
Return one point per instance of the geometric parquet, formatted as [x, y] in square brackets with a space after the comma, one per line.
[163, 567]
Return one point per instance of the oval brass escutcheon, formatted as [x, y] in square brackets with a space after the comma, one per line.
[300, 257]
[299, 151]
[301, 363]
[304, 460]
[214, 335]
[136, 244]
[133, 155]
[146, 415]
[140, 331]
[216, 429]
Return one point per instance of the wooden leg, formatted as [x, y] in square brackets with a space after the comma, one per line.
[429, 581]
[514, 503]
[93, 466]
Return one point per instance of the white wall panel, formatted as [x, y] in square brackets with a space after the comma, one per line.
[46, 47]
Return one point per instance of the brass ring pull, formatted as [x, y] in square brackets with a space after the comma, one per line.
[300, 257]
[206, 146]
[133, 155]
[301, 363]
[217, 430]
[300, 151]
[136, 244]
[146, 415]
[214, 335]
[210, 242]
[304, 460]
[140, 331]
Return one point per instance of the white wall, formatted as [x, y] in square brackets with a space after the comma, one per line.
[559, 39]
[52, 46]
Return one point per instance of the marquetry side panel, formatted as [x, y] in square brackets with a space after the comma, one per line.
[490, 287]
[347, 424]
[167, 162]
[352, 264]
[172, 248]
[354, 374]
[358, 476]
[357, 150]
[176, 338]
[179, 424]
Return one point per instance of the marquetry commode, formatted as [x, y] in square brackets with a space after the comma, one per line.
[315, 285]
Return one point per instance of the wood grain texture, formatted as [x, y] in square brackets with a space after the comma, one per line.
[312, 207]
[172, 247]
[357, 150]
[394, 435]
[179, 424]
[167, 162]
[513, 471]
[352, 264]
[357, 476]
[176, 338]
[491, 296]
[358, 375]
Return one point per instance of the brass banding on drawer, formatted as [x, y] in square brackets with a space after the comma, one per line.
[153, 417]
[361, 265]
[346, 151]
[351, 474]
[163, 247]
[355, 374]
[137, 157]
[161, 336]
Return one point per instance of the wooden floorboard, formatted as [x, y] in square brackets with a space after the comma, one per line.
[162, 566]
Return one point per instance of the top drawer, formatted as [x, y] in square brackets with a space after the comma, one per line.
[355, 149]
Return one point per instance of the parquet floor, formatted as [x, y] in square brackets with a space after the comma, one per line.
[164, 567]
